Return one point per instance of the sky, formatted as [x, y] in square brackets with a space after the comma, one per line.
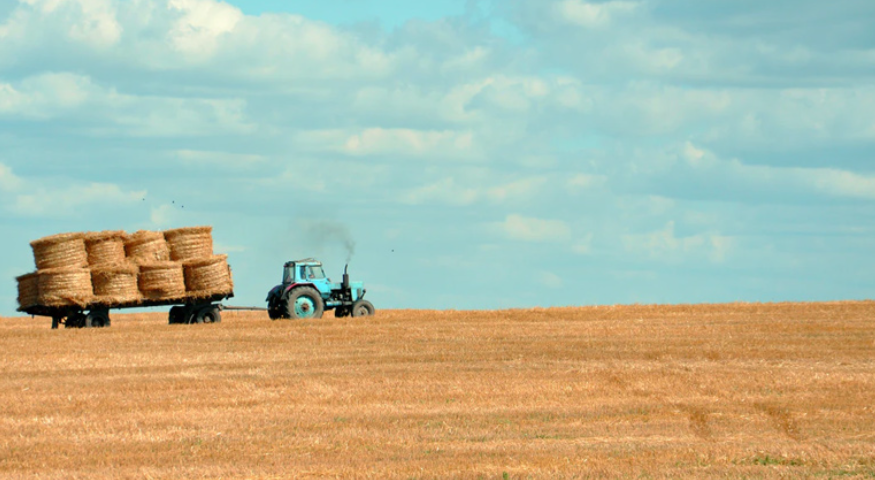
[459, 154]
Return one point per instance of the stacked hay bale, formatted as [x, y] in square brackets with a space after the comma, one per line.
[205, 274]
[113, 275]
[146, 247]
[113, 268]
[190, 243]
[208, 276]
[28, 289]
[162, 280]
[62, 276]
[105, 248]
[64, 286]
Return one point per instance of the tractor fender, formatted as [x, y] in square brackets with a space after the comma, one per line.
[296, 285]
[274, 292]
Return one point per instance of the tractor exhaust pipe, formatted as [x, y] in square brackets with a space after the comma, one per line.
[345, 277]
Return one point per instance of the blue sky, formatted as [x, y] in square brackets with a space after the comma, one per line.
[476, 154]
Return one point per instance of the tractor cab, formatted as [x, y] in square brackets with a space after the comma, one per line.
[306, 271]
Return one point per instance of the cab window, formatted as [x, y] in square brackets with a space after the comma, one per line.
[312, 273]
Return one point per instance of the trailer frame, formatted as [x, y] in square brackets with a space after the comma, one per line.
[186, 310]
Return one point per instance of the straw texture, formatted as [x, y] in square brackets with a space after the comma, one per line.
[162, 281]
[28, 290]
[146, 247]
[59, 287]
[65, 250]
[190, 243]
[116, 285]
[105, 248]
[207, 277]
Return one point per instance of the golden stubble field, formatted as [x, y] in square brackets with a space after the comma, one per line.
[725, 391]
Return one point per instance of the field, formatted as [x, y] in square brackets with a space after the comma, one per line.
[718, 391]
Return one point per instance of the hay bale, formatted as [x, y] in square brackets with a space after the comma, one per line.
[28, 290]
[190, 243]
[208, 276]
[61, 287]
[105, 248]
[146, 247]
[116, 284]
[65, 250]
[162, 281]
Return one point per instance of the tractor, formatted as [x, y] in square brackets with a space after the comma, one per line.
[307, 293]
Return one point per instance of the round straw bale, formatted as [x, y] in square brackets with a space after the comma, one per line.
[59, 287]
[208, 276]
[190, 243]
[65, 250]
[162, 280]
[105, 248]
[147, 247]
[28, 290]
[116, 284]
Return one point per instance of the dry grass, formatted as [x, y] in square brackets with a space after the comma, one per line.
[725, 391]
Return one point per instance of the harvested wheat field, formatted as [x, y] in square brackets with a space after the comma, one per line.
[719, 391]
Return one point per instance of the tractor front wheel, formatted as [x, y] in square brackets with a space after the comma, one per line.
[304, 302]
[363, 308]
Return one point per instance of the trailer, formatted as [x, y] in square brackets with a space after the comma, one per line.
[184, 310]
[81, 276]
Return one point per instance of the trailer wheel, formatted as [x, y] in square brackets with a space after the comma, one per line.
[363, 308]
[176, 315]
[209, 314]
[97, 319]
[75, 320]
[304, 302]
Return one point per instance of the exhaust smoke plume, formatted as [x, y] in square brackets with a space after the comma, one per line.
[319, 234]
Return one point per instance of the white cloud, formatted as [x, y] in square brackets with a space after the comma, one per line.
[665, 245]
[584, 181]
[583, 246]
[98, 25]
[404, 141]
[163, 215]
[9, 182]
[93, 23]
[549, 279]
[197, 31]
[825, 181]
[63, 201]
[530, 229]
[220, 159]
[450, 192]
[591, 14]
[516, 190]
[45, 95]
[56, 95]
[444, 191]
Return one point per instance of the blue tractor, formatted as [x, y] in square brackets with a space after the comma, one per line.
[307, 293]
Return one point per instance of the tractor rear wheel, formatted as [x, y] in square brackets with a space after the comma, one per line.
[274, 311]
[363, 308]
[304, 302]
